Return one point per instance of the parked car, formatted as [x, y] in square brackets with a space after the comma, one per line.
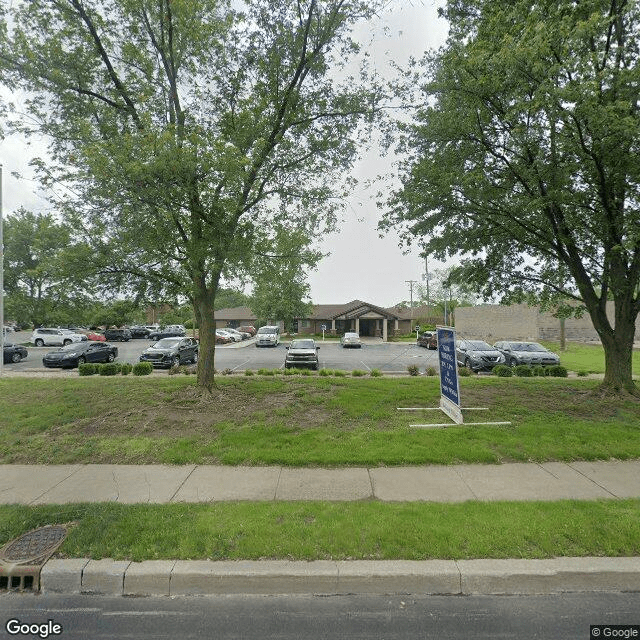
[223, 338]
[302, 353]
[240, 334]
[73, 355]
[117, 335]
[477, 355]
[95, 336]
[178, 328]
[13, 352]
[48, 337]
[170, 352]
[248, 329]
[233, 337]
[428, 339]
[351, 340]
[526, 353]
[165, 332]
[268, 336]
[138, 331]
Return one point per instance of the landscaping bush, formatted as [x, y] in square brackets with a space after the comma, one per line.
[142, 369]
[375, 373]
[290, 372]
[431, 371]
[305, 372]
[502, 370]
[266, 372]
[108, 369]
[558, 371]
[582, 373]
[126, 368]
[338, 373]
[539, 370]
[325, 372]
[87, 369]
[523, 371]
[464, 372]
[248, 372]
[357, 373]
[413, 369]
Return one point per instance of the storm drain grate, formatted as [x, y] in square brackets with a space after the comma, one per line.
[21, 559]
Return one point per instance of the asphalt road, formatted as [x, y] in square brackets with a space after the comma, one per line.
[390, 357]
[556, 617]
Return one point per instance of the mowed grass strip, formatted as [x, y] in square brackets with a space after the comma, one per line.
[314, 421]
[339, 531]
[586, 357]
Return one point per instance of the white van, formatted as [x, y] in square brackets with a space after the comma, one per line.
[268, 336]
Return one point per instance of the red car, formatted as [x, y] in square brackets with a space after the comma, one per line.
[96, 337]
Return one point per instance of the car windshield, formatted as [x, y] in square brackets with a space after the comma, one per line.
[478, 345]
[350, 335]
[166, 343]
[303, 344]
[534, 346]
[520, 346]
[267, 330]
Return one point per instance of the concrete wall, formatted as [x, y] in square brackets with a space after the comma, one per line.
[492, 322]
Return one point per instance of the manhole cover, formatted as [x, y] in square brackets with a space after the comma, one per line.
[34, 546]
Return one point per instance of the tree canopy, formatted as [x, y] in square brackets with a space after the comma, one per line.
[523, 159]
[184, 130]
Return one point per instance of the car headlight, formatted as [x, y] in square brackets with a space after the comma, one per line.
[72, 355]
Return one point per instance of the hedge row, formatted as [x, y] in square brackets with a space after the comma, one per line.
[115, 368]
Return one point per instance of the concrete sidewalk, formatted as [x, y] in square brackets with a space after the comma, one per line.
[58, 484]
[42, 484]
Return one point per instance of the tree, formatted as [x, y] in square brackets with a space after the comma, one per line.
[38, 283]
[281, 290]
[184, 129]
[524, 159]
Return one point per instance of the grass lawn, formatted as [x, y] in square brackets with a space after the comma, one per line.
[586, 357]
[339, 531]
[311, 421]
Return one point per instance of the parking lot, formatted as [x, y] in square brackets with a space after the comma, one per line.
[390, 357]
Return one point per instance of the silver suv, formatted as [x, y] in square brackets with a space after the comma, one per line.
[55, 337]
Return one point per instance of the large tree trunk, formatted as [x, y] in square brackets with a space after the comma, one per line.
[207, 352]
[618, 345]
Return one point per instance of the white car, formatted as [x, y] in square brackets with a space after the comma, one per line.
[268, 336]
[351, 339]
[239, 334]
[46, 336]
[225, 333]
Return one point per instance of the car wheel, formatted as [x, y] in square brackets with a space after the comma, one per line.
[39, 343]
[512, 362]
[111, 357]
[81, 360]
[16, 357]
[66, 342]
[467, 364]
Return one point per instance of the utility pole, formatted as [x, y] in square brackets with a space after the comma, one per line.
[426, 275]
[411, 283]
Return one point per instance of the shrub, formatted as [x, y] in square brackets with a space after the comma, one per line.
[108, 369]
[338, 373]
[126, 368]
[305, 372]
[267, 372]
[248, 372]
[174, 370]
[290, 372]
[227, 372]
[502, 370]
[87, 369]
[539, 370]
[142, 369]
[558, 371]
[523, 371]
[375, 373]
[357, 373]
[413, 369]
[464, 372]
[325, 372]
[431, 371]
[582, 373]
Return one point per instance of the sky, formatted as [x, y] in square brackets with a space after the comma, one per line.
[360, 265]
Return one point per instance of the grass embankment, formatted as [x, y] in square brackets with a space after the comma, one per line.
[339, 531]
[307, 421]
[586, 357]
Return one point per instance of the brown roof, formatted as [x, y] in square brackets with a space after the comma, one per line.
[351, 309]
[235, 313]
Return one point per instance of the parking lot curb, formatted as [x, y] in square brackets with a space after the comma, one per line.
[328, 577]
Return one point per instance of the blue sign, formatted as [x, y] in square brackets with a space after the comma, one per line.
[449, 387]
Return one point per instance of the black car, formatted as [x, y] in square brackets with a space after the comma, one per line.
[166, 333]
[119, 335]
[78, 353]
[170, 352]
[139, 331]
[302, 353]
[428, 339]
[13, 352]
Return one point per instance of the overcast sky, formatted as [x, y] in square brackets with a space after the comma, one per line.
[361, 265]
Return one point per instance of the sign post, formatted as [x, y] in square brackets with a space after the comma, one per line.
[324, 328]
[449, 385]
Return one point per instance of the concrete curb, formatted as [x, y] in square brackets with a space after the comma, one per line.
[327, 577]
